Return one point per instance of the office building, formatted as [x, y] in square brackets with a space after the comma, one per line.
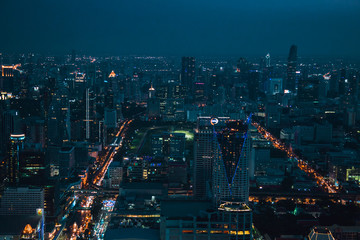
[230, 180]
[66, 161]
[32, 167]
[22, 201]
[267, 60]
[13, 159]
[291, 69]
[203, 154]
[188, 72]
[168, 144]
[110, 118]
[115, 174]
[10, 123]
[7, 79]
[275, 86]
[198, 220]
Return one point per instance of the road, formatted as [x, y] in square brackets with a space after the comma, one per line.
[302, 164]
[92, 179]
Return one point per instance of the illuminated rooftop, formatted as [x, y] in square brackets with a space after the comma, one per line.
[233, 207]
[112, 74]
[17, 136]
[319, 233]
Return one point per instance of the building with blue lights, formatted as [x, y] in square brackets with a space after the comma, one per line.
[230, 180]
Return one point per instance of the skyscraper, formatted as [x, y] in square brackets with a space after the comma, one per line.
[204, 153]
[342, 82]
[188, 72]
[291, 69]
[21, 201]
[13, 159]
[90, 115]
[7, 78]
[230, 180]
[267, 59]
[10, 123]
[58, 124]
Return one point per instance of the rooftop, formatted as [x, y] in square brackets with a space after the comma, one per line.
[234, 207]
[320, 233]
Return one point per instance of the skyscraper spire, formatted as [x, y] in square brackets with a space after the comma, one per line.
[267, 58]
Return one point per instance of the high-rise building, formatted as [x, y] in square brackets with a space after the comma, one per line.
[32, 167]
[13, 159]
[66, 161]
[309, 89]
[152, 92]
[90, 112]
[204, 153]
[253, 84]
[22, 201]
[188, 72]
[230, 180]
[7, 79]
[58, 124]
[342, 82]
[153, 103]
[10, 123]
[291, 69]
[268, 60]
[168, 145]
[115, 174]
[110, 118]
[275, 86]
[197, 220]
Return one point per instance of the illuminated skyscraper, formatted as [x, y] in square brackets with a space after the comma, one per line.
[204, 153]
[7, 79]
[13, 159]
[91, 125]
[188, 72]
[58, 124]
[291, 69]
[152, 92]
[230, 180]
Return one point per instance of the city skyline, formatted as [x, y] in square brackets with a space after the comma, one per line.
[180, 120]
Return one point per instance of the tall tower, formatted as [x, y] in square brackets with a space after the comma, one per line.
[151, 92]
[291, 69]
[10, 123]
[230, 181]
[87, 114]
[204, 154]
[188, 72]
[267, 59]
[7, 79]
[13, 160]
[342, 82]
[58, 123]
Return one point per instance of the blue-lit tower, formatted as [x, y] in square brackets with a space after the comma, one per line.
[231, 163]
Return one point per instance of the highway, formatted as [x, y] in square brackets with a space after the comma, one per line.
[302, 164]
[91, 180]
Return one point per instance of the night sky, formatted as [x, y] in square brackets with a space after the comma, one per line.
[181, 27]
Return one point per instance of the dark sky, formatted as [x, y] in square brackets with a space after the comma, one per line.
[181, 27]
